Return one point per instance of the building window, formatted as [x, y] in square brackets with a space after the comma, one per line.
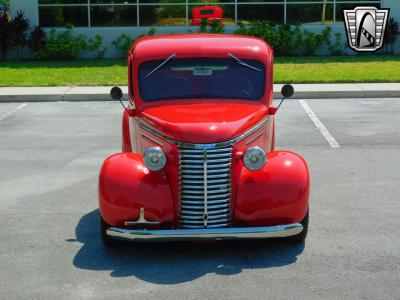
[132, 13]
[113, 16]
[162, 15]
[347, 5]
[315, 13]
[62, 2]
[248, 13]
[59, 16]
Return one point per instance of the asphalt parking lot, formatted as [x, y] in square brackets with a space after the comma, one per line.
[50, 155]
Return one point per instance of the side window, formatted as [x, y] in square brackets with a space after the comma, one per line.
[206, 12]
[131, 82]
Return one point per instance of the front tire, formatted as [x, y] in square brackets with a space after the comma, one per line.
[301, 237]
[107, 241]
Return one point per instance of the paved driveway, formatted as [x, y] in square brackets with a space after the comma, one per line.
[50, 155]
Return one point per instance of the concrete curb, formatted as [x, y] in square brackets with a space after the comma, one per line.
[101, 93]
[356, 90]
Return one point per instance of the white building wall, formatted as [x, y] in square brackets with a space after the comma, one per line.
[30, 7]
[111, 33]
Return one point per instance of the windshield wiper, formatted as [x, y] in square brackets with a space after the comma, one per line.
[241, 62]
[160, 65]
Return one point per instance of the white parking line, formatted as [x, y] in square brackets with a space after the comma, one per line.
[7, 114]
[329, 138]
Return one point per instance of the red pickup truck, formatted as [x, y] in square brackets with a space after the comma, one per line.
[198, 157]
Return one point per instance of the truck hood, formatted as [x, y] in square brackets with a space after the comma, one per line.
[204, 122]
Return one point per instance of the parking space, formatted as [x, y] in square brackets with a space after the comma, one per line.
[364, 123]
[294, 129]
[50, 155]
[7, 110]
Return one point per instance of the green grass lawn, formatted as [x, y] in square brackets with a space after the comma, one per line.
[315, 69]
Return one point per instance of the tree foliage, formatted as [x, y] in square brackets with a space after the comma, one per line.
[68, 45]
[391, 34]
[20, 27]
[6, 3]
[6, 35]
[288, 39]
[37, 39]
[124, 42]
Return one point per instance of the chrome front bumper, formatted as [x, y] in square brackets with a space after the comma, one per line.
[206, 234]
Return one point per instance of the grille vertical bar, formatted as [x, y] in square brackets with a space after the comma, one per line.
[205, 187]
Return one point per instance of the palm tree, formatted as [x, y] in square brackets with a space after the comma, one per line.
[20, 26]
[37, 40]
[6, 36]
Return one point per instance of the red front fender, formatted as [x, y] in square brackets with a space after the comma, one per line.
[277, 194]
[126, 185]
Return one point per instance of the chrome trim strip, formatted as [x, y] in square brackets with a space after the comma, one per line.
[225, 204]
[200, 197]
[152, 139]
[207, 234]
[188, 226]
[187, 192]
[254, 138]
[196, 146]
[199, 214]
[132, 133]
[225, 185]
[194, 172]
[196, 161]
[211, 203]
[205, 216]
[210, 167]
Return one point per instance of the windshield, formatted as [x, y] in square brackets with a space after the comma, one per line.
[173, 78]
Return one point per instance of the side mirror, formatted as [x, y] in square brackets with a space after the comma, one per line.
[116, 93]
[287, 91]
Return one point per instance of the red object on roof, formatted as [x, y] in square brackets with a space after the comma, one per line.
[209, 12]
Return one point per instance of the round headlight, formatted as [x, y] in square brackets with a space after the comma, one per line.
[154, 159]
[254, 159]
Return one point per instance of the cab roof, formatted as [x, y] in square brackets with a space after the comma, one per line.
[200, 45]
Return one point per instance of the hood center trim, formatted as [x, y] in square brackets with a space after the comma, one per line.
[230, 142]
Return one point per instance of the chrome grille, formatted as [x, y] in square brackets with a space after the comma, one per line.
[205, 187]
